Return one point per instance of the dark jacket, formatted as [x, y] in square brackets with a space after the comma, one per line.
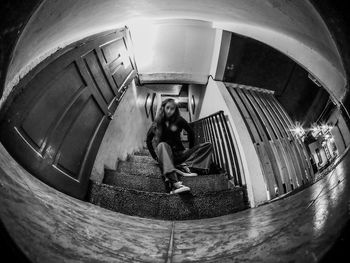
[170, 135]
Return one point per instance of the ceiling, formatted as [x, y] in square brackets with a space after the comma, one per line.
[292, 27]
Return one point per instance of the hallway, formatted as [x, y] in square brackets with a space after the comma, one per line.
[299, 228]
[266, 82]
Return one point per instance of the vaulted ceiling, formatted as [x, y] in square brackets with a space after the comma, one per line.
[292, 27]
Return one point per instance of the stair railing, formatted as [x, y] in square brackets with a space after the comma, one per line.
[215, 129]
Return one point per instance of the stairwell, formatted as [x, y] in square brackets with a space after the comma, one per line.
[137, 188]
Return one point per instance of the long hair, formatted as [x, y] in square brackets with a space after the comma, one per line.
[159, 121]
[160, 118]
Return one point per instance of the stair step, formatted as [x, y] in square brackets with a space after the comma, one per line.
[155, 183]
[141, 182]
[165, 206]
[141, 159]
[143, 152]
[206, 183]
[137, 168]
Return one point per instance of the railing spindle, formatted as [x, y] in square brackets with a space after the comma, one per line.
[231, 151]
[212, 140]
[215, 129]
[216, 141]
[223, 145]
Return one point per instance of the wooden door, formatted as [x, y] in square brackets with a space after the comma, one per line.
[55, 126]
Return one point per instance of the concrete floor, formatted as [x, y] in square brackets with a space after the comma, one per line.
[49, 226]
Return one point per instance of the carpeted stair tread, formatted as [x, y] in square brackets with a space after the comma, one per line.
[155, 183]
[142, 182]
[149, 167]
[143, 152]
[165, 206]
[139, 168]
[141, 159]
[206, 183]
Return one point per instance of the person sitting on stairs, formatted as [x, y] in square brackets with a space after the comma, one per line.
[165, 146]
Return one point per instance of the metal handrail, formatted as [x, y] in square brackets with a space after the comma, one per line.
[207, 117]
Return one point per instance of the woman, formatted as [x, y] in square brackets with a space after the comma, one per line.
[164, 144]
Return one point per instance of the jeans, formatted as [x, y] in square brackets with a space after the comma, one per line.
[198, 157]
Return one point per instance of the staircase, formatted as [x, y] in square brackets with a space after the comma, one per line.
[136, 188]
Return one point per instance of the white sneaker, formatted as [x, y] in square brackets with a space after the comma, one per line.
[179, 188]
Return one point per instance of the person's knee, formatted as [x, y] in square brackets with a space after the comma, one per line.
[162, 146]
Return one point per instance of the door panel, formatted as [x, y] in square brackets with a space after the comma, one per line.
[55, 125]
[76, 142]
[120, 65]
[110, 49]
[121, 73]
[98, 76]
[57, 94]
[67, 119]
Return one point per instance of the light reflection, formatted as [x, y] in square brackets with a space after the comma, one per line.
[320, 209]
[298, 130]
[261, 223]
[327, 202]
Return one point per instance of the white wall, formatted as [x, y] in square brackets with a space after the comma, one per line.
[197, 91]
[338, 139]
[344, 129]
[173, 46]
[217, 98]
[293, 27]
[126, 133]
[340, 131]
